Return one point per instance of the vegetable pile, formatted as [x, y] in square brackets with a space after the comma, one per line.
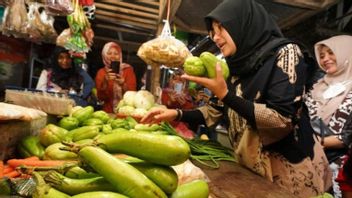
[90, 154]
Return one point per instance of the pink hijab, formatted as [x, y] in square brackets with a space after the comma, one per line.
[105, 50]
[117, 89]
[341, 46]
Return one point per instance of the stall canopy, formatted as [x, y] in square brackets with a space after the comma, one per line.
[132, 22]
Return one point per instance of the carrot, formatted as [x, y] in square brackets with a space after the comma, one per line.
[32, 158]
[8, 169]
[12, 174]
[37, 163]
[1, 168]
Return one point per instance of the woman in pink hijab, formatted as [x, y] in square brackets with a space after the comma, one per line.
[112, 84]
[330, 100]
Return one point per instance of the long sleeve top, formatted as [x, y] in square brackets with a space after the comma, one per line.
[106, 95]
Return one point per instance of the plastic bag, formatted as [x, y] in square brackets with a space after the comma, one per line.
[164, 50]
[187, 172]
[40, 24]
[15, 19]
[74, 42]
[58, 7]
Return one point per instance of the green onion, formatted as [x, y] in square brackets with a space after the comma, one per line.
[206, 152]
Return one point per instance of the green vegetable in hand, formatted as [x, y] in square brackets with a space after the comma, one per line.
[69, 123]
[209, 60]
[194, 66]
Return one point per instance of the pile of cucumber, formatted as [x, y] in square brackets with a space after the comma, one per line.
[144, 171]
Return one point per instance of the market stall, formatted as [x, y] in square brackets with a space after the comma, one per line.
[66, 150]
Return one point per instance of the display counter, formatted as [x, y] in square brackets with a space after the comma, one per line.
[232, 180]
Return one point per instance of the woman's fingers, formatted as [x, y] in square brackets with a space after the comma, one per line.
[149, 117]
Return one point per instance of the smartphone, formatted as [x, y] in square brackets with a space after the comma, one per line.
[178, 87]
[115, 66]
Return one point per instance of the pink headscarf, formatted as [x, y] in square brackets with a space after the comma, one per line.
[105, 50]
[117, 89]
[341, 46]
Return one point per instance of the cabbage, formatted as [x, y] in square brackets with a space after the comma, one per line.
[144, 99]
[158, 106]
[126, 110]
[129, 97]
[139, 112]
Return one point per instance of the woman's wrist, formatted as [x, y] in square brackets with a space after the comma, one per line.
[179, 114]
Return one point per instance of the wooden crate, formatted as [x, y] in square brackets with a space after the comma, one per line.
[12, 131]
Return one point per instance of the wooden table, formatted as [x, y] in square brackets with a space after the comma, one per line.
[232, 180]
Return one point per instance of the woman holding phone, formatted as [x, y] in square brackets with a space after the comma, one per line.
[115, 78]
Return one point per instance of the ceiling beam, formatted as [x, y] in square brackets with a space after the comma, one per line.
[126, 45]
[125, 17]
[121, 29]
[294, 19]
[126, 11]
[134, 6]
[125, 23]
[187, 28]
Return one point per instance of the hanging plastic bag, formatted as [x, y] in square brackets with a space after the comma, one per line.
[15, 19]
[74, 42]
[40, 24]
[77, 21]
[164, 50]
[58, 7]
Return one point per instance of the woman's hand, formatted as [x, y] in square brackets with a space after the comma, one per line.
[119, 79]
[216, 85]
[158, 115]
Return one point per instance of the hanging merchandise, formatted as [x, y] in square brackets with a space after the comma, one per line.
[79, 37]
[164, 50]
[88, 8]
[15, 19]
[40, 24]
[58, 7]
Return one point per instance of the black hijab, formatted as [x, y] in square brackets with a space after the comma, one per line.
[250, 27]
[65, 78]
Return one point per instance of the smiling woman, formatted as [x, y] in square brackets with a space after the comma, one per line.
[330, 100]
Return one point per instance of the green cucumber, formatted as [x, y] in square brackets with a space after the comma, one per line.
[195, 188]
[125, 179]
[99, 194]
[163, 176]
[166, 150]
[76, 186]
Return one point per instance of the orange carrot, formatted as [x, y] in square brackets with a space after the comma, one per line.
[8, 169]
[1, 168]
[37, 163]
[32, 158]
[12, 174]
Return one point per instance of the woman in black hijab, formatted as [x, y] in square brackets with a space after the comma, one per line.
[64, 77]
[262, 101]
